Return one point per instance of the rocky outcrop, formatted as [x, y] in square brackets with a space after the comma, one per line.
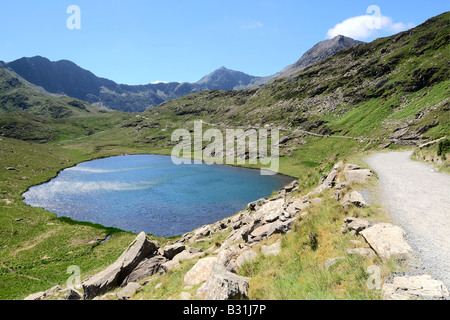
[387, 240]
[116, 273]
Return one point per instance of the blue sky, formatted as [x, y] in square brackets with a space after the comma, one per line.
[142, 41]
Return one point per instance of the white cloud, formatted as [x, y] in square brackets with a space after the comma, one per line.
[366, 26]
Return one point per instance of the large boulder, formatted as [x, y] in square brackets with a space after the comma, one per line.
[353, 173]
[200, 271]
[387, 240]
[414, 287]
[270, 211]
[146, 268]
[115, 274]
[172, 250]
[223, 285]
[354, 198]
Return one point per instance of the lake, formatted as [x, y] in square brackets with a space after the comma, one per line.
[149, 193]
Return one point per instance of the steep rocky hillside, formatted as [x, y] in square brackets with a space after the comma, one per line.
[395, 88]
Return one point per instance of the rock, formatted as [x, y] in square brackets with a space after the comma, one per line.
[245, 257]
[297, 205]
[387, 240]
[224, 285]
[363, 252]
[202, 232]
[270, 211]
[357, 175]
[354, 198]
[227, 254]
[185, 255]
[414, 287]
[292, 186]
[170, 251]
[36, 296]
[129, 291]
[272, 250]
[200, 271]
[73, 294]
[114, 275]
[7, 201]
[332, 261]
[354, 224]
[12, 169]
[265, 231]
[255, 205]
[146, 268]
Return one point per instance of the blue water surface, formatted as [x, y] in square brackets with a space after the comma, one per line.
[149, 193]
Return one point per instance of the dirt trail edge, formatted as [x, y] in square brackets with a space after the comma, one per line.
[418, 200]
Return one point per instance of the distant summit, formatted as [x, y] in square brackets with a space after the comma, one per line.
[226, 79]
[319, 52]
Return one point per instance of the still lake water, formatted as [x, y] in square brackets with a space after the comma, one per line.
[149, 193]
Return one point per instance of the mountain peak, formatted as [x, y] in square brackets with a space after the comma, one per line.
[320, 51]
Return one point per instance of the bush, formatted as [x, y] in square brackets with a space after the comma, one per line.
[443, 148]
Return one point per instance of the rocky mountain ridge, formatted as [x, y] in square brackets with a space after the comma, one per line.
[66, 78]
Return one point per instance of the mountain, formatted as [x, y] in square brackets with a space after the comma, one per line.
[392, 90]
[319, 52]
[66, 78]
[225, 79]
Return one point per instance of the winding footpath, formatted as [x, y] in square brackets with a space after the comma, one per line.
[418, 200]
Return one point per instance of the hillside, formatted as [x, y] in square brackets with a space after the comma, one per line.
[30, 113]
[393, 90]
[390, 93]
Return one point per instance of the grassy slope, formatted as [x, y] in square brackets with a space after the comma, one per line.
[370, 91]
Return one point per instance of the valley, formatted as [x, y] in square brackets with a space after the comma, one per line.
[390, 94]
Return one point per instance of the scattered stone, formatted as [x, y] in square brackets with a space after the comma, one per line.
[270, 211]
[223, 285]
[245, 257]
[272, 250]
[265, 231]
[387, 240]
[255, 205]
[414, 287]
[354, 224]
[200, 271]
[7, 201]
[73, 294]
[357, 175]
[36, 296]
[129, 291]
[354, 198]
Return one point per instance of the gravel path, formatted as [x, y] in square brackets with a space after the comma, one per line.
[418, 200]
